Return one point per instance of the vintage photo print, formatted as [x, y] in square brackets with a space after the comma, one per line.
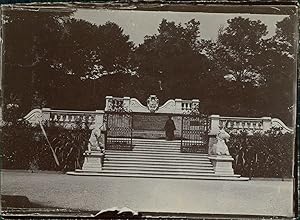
[142, 111]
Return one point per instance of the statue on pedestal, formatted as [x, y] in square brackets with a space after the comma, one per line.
[97, 139]
[220, 148]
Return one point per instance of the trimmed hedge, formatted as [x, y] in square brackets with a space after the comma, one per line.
[263, 155]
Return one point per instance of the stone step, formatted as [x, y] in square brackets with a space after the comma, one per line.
[154, 161]
[150, 148]
[162, 155]
[156, 150]
[148, 152]
[137, 162]
[157, 154]
[163, 169]
[164, 176]
[154, 140]
[156, 146]
[157, 142]
[161, 172]
[158, 165]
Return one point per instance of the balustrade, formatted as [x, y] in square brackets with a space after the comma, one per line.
[242, 124]
[68, 118]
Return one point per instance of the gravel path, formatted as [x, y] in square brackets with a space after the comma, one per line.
[152, 195]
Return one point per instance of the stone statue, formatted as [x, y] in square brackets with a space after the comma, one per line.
[97, 139]
[220, 148]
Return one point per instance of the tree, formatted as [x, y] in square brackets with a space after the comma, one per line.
[280, 57]
[171, 61]
[237, 51]
[28, 39]
[257, 71]
[237, 58]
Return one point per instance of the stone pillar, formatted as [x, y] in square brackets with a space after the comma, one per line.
[126, 103]
[93, 161]
[267, 123]
[214, 124]
[46, 115]
[107, 100]
[214, 130]
[178, 107]
[195, 102]
[99, 117]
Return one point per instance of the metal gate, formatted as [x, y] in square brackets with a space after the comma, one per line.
[194, 133]
[119, 130]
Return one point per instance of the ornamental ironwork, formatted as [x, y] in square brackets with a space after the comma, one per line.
[194, 133]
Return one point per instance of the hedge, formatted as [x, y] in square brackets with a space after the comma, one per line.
[263, 155]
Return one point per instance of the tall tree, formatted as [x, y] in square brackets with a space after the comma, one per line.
[280, 57]
[28, 38]
[171, 61]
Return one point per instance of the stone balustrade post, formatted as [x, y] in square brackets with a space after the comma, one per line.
[99, 117]
[126, 103]
[214, 124]
[195, 102]
[178, 106]
[46, 115]
[107, 100]
[266, 123]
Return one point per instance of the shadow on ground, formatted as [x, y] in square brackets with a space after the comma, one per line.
[17, 205]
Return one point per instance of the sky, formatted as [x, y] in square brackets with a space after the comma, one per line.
[138, 24]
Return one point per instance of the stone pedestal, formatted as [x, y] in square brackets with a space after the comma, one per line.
[222, 165]
[93, 161]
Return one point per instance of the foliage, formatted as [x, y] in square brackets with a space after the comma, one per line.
[25, 147]
[263, 155]
[171, 60]
[242, 64]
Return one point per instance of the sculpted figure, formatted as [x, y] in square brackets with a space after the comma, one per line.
[97, 139]
[220, 148]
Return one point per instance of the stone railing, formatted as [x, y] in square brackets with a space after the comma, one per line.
[250, 125]
[68, 118]
[65, 118]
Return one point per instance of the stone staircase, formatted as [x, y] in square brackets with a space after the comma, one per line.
[156, 158]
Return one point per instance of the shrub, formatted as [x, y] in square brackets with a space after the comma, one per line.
[263, 155]
[25, 147]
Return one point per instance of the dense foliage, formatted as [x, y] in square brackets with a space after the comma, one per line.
[54, 60]
[25, 147]
[263, 155]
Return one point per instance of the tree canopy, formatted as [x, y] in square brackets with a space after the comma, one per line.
[53, 60]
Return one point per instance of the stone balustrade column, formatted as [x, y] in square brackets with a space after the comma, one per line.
[266, 123]
[126, 103]
[195, 102]
[178, 106]
[99, 117]
[107, 100]
[46, 115]
[214, 124]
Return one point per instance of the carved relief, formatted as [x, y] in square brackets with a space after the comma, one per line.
[152, 103]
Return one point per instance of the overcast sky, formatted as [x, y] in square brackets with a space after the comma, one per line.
[138, 24]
